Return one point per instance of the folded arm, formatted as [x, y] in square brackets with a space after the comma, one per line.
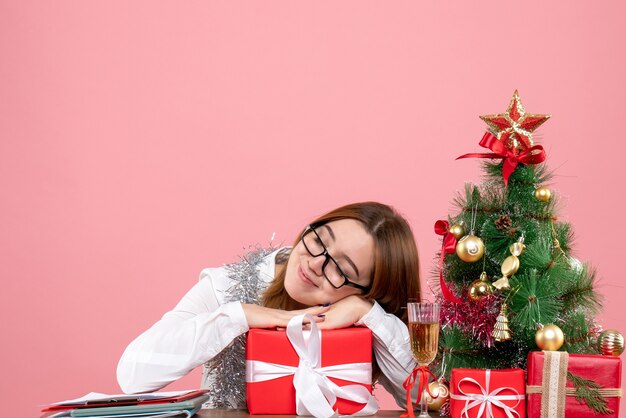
[196, 330]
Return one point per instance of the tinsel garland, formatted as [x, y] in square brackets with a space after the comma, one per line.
[224, 376]
[475, 318]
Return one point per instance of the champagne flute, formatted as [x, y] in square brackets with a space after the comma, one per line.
[424, 333]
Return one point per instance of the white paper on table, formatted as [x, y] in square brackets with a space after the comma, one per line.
[169, 414]
[95, 396]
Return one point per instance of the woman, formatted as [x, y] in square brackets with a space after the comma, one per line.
[357, 264]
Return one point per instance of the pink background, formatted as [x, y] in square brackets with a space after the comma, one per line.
[142, 141]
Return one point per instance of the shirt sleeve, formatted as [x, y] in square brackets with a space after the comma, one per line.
[392, 349]
[196, 330]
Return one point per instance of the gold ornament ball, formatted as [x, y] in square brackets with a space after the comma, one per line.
[611, 343]
[479, 288]
[470, 248]
[549, 338]
[458, 230]
[543, 194]
[436, 387]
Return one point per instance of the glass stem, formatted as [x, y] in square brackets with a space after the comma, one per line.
[423, 406]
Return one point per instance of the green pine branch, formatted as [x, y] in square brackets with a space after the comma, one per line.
[499, 238]
[537, 254]
[565, 235]
[576, 326]
[586, 391]
[534, 302]
[581, 291]
[523, 174]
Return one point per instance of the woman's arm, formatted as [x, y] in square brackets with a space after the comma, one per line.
[392, 349]
[197, 329]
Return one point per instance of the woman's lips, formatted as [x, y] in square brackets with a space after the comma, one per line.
[304, 277]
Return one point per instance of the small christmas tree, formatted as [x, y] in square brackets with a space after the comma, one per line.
[508, 280]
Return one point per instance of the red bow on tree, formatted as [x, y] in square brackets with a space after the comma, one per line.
[447, 247]
[532, 155]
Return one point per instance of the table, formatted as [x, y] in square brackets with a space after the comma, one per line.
[242, 413]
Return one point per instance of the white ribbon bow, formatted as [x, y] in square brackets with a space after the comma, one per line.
[315, 392]
[486, 399]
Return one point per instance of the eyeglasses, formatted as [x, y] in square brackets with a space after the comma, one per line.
[331, 270]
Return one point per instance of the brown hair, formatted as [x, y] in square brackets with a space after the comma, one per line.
[395, 277]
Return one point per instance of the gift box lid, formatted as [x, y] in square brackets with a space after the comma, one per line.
[498, 378]
[339, 346]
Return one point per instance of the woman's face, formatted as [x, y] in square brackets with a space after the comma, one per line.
[349, 244]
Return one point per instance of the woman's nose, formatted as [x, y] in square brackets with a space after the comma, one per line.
[316, 264]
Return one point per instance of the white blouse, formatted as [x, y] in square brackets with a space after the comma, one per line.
[202, 324]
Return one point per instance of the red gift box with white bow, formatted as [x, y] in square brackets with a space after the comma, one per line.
[485, 393]
[295, 371]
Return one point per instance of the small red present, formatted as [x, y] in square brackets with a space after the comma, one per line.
[476, 393]
[309, 372]
[550, 387]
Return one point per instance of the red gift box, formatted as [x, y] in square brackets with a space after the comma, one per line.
[487, 393]
[604, 370]
[351, 347]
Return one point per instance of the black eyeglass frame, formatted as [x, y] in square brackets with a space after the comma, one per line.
[328, 258]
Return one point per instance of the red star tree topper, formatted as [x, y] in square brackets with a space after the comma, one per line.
[515, 127]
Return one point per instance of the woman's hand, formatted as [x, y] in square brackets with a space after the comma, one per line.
[346, 312]
[263, 317]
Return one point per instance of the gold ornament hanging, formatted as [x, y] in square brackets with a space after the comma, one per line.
[437, 387]
[501, 330]
[543, 194]
[557, 251]
[480, 288]
[457, 230]
[549, 338]
[470, 248]
[502, 283]
[611, 343]
[517, 248]
[510, 265]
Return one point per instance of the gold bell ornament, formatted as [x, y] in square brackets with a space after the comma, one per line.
[611, 343]
[543, 194]
[437, 387]
[510, 265]
[480, 288]
[501, 331]
[549, 338]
